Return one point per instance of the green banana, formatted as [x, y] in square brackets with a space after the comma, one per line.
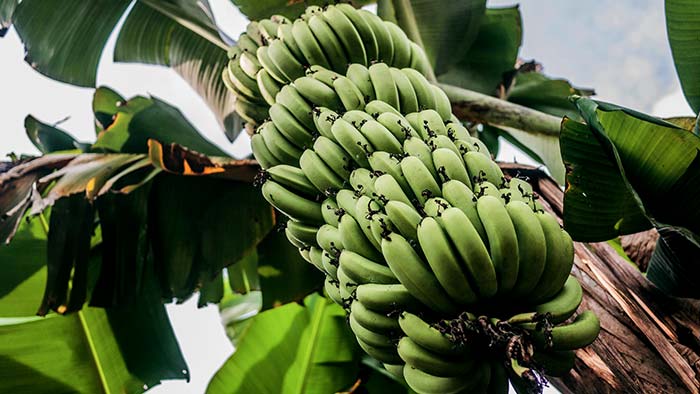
[364, 210]
[292, 204]
[323, 120]
[362, 181]
[359, 75]
[346, 32]
[247, 44]
[351, 97]
[354, 143]
[318, 93]
[460, 196]
[292, 178]
[471, 250]
[368, 336]
[398, 125]
[242, 82]
[481, 168]
[402, 46]
[303, 248]
[315, 258]
[386, 163]
[559, 308]
[308, 45]
[329, 210]
[503, 242]
[284, 32]
[372, 320]
[380, 137]
[434, 207]
[404, 218]
[419, 61]
[431, 121]
[329, 43]
[319, 173]
[261, 152]
[285, 61]
[408, 101]
[416, 147]
[357, 118]
[332, 291]
[362, 270]
[279, 146]
[560, 258]
[396, 370]
[434, 364]
[382, 354]
[425, 383]
[264, 58]
[423, 89]
[441, 258]
[532, 247]
[285, 122]
[267, 85]
[347, 200]
[450, 166]
[334, 156]
[420, 179]
[330, 265]
[368, 41]
[376, 107]
[303, 232]
[457, 131]
[355, 240]
[428, 336]
[290, 99]
[249, 64]
[386, 298]
[325, 75]
[385, 45]
[414, 275]
[575, 335]
[328, 238]
[347, 286]
[388, 188]
[442, 103]
[384, 86]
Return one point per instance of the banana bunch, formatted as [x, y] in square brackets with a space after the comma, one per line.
[276, 51]
[453, 276]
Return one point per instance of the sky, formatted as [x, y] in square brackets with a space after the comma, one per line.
[618, 47]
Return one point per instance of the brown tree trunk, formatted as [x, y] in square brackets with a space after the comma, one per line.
[649, 342]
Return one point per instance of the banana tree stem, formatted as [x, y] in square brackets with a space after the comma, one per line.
[477, 107]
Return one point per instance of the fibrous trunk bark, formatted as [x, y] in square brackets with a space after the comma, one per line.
[649, 342]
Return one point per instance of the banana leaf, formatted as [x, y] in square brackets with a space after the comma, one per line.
[683, 25]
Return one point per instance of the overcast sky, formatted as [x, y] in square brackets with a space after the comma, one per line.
[618, 47]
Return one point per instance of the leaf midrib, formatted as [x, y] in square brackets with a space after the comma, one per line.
[316, 322]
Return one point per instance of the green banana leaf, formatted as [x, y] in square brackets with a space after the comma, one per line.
[48, 138]
[683, 25]
[180, 34]
[124, 350]
[446, 30]
[492, 54]
[7, 8]
[136, 120]
[537, 91]
[628, 172]
[292, 349]
[672, 267]
[284, 275]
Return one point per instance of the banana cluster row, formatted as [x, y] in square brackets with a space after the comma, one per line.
[309, 106]
[275, 52]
